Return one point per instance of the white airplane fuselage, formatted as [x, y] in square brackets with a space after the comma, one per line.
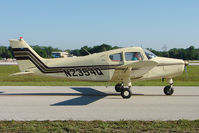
[95, 67]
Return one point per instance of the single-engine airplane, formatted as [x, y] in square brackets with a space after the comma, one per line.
[124, 65]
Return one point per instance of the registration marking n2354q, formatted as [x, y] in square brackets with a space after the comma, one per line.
[75, 72]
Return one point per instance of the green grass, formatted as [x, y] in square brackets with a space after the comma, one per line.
[32, 80]
[180, 126]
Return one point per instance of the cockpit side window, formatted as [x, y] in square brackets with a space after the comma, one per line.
[116, 57]
[133, 56]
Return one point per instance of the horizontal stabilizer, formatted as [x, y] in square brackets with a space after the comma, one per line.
[20, 73]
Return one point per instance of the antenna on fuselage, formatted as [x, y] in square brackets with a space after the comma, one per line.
[86, 51]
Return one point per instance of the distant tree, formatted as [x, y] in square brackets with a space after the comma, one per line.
[40, 51]
[44, 51]
[5, 53]
[181, 54]
[196, 54]
[11, 52]
[75, 52]
[101, 48]
[173, 53]
[83, 50]
[190, 52]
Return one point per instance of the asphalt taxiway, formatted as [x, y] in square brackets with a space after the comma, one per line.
[96, 103]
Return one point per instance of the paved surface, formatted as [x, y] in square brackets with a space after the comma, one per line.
[8, 63]
[96, 103]
[193, 64]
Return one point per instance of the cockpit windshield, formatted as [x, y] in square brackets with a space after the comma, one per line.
[149, 54]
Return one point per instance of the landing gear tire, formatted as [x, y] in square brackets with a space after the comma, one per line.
[118, 87]
[168, 90]
[126, 93]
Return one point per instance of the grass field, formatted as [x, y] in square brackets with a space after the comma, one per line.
[180, 126]
[31, 80]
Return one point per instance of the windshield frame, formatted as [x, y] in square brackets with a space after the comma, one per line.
[149, 54]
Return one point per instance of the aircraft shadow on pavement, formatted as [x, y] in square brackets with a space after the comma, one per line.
[89, 95]
[86, 96]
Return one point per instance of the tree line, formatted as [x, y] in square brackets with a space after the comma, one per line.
[190, 53]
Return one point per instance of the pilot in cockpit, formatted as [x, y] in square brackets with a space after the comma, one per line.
[137, 56]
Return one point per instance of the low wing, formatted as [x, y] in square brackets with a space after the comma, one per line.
[137, 69]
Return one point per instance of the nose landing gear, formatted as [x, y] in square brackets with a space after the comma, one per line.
[168, 90]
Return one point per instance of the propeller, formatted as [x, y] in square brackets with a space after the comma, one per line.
[186, 63]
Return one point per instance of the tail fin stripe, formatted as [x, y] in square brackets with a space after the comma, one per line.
[38, 65]
[24, 50]
[33, 59]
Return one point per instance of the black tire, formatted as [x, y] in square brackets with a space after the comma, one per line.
[168, 90]
[118, 87]
[126, 93]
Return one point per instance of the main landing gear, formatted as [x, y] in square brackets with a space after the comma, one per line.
[168, 90]
[125, 92]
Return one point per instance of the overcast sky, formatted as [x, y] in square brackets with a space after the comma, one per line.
[71, 24]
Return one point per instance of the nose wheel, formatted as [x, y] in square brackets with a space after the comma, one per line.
[168, 90]
[125, 92]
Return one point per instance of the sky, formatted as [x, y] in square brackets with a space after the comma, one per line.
[71, 24]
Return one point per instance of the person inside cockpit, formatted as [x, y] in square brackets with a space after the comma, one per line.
[137, 56]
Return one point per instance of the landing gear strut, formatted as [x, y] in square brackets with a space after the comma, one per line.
[125, 92]
[168, 90]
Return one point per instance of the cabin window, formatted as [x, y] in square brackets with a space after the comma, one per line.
[133, 56]
[116, 57]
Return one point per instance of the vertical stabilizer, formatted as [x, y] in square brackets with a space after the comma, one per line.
[26, 57]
